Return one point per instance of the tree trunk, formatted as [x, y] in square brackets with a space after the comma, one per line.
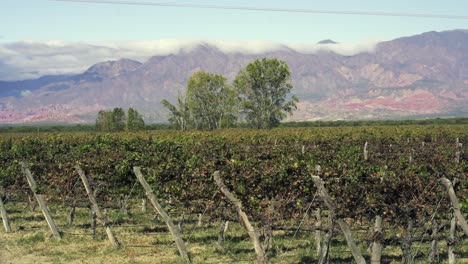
[252, 232]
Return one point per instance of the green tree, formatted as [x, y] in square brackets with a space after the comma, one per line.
[179, 115]
[135, 121]
[210, 101]
[104, 121]
[263, 87]
[111, 121]
[119, 119]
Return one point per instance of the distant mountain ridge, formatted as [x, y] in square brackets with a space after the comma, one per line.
[419, 76]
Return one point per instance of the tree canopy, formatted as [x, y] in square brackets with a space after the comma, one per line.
[118, 120]
[209, 103]
[259, 97]
[263, 87]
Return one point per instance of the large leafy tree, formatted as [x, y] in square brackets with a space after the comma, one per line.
[263, 87]
[210, 100]
[209, 103]
[119, 119]
[104, 121]
[179, 115]
[135, 121]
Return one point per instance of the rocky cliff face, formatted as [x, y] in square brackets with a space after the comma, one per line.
[418, 76]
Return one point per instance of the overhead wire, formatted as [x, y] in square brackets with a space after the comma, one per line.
[271, 9]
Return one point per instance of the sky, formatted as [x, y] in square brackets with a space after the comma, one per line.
[33, 31]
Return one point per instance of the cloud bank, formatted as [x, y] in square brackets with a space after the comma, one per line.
[32, 59]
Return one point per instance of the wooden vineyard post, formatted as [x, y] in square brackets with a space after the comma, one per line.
[40, 201]
[324, 256]
[97, 210]
[170, 224]
[455, 204]
[451, 241]
[200, 220]
[253, 233]
[407, 242]
[318, 233]
[377, 243]
[366, 153]
[433, 250]
[143, 205]
[323, 193]
[6, 222]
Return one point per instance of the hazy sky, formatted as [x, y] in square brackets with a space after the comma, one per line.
[42, 20]
[39, 37]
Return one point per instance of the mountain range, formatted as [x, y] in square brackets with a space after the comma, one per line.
[411, 77]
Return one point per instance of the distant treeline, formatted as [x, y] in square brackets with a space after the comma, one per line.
[434, 121]
[92, 127]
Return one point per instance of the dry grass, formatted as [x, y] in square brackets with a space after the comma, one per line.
[146, 241]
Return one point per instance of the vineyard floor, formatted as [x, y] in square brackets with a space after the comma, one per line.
[147, 241]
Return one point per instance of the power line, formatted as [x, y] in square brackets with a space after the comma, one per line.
[268, 9]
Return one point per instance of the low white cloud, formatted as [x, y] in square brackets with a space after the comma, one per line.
[32, 59]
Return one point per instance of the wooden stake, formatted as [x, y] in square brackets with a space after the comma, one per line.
[102, 217]
[200, 222]
[343, 225]
[366, 153]
[324, 256]
[318, 233]
[40, 201]
[433, 251]
[143, 205]
[455, 204]
[253, 233]
[377, 243]
[6, 222]
[222, 231]
[407, 243]
[170, 224]
[451, 241]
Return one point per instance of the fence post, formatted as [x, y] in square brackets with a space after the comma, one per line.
[318, 233]
[366, 153]
[96, 208]
[6, 222]
[433, 250]
[455, 204]
[170, 224]
[40, 201]
[451, 241]
[343, 225]
[377, 243]
[253, 233]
